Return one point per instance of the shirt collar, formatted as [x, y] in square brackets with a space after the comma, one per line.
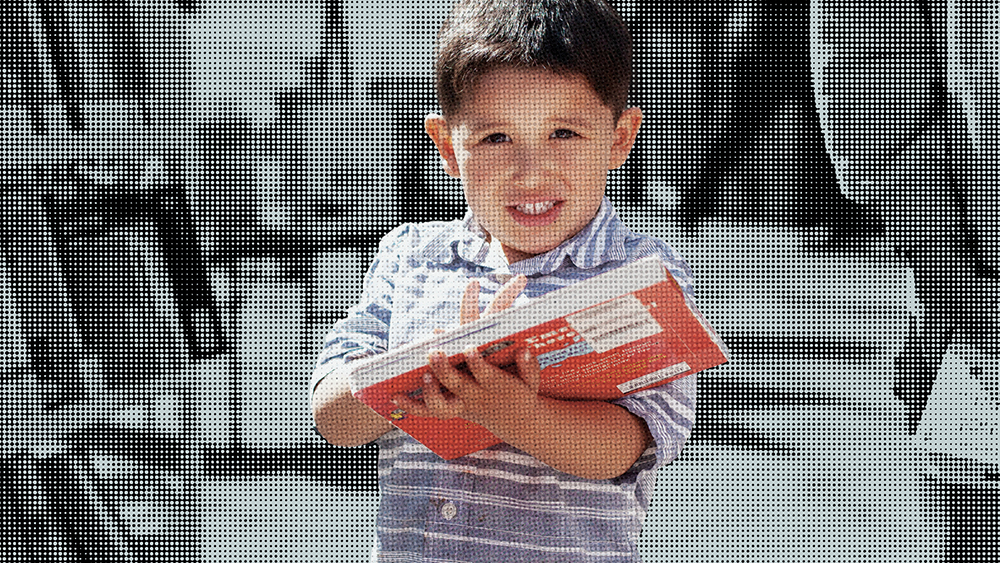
[601, 240]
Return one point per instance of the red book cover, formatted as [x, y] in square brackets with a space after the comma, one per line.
[617, 333]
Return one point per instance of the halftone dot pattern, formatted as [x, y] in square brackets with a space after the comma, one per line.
[192, 191]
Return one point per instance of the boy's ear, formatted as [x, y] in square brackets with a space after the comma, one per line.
[437, 129]
[624, 136]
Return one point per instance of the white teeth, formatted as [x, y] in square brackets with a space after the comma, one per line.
[536, 208]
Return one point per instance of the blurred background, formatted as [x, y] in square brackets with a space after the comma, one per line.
[193, 189]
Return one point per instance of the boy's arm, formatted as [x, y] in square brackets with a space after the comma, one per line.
[341, 419]
[589, 439]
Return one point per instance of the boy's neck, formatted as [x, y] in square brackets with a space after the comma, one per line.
[512, 254]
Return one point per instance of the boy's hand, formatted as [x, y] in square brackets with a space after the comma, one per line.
[589, 439]
[487, 396]
[503, 299]
[470, 395]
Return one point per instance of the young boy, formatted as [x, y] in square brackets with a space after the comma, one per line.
[533, 94]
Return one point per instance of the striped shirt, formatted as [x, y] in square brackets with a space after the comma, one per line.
[501, 504]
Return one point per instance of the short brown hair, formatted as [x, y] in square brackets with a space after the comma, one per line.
[586, 37]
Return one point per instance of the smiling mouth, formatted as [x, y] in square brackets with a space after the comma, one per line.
[536, 208]
[537, 214]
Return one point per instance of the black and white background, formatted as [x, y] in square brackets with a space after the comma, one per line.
[191, 191]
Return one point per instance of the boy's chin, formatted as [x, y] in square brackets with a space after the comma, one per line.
[524, 250]
[524, 242]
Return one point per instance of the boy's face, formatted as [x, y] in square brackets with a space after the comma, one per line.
[533, 149]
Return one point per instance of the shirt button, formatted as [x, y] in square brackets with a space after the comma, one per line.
[448, 510]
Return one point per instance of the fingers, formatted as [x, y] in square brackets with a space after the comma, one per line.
[507, 294]
[435, 401]
[504, 298]
[472, 398]
[411, 406]
[481, 370]
[435, 404]
[531, 373]
[442, 369]
[470, 303]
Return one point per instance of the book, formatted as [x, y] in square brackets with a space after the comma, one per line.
[618, 333]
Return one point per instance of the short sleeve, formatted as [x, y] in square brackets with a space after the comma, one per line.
[669, 412]
[645, 246]
[679, 269]
[669, 409]
[365, 329]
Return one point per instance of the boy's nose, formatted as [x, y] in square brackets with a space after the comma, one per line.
[531, 166]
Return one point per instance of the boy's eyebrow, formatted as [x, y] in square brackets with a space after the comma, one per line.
[575, 121]
[474, 125]
[582, 123]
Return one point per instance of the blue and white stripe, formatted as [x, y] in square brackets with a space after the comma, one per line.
[501, 504]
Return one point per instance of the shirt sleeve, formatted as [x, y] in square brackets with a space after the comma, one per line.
[669, 412]
[669, 409]
[365, 330]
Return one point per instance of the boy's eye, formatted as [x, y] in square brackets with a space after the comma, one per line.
[563, 134]
[497, 138]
